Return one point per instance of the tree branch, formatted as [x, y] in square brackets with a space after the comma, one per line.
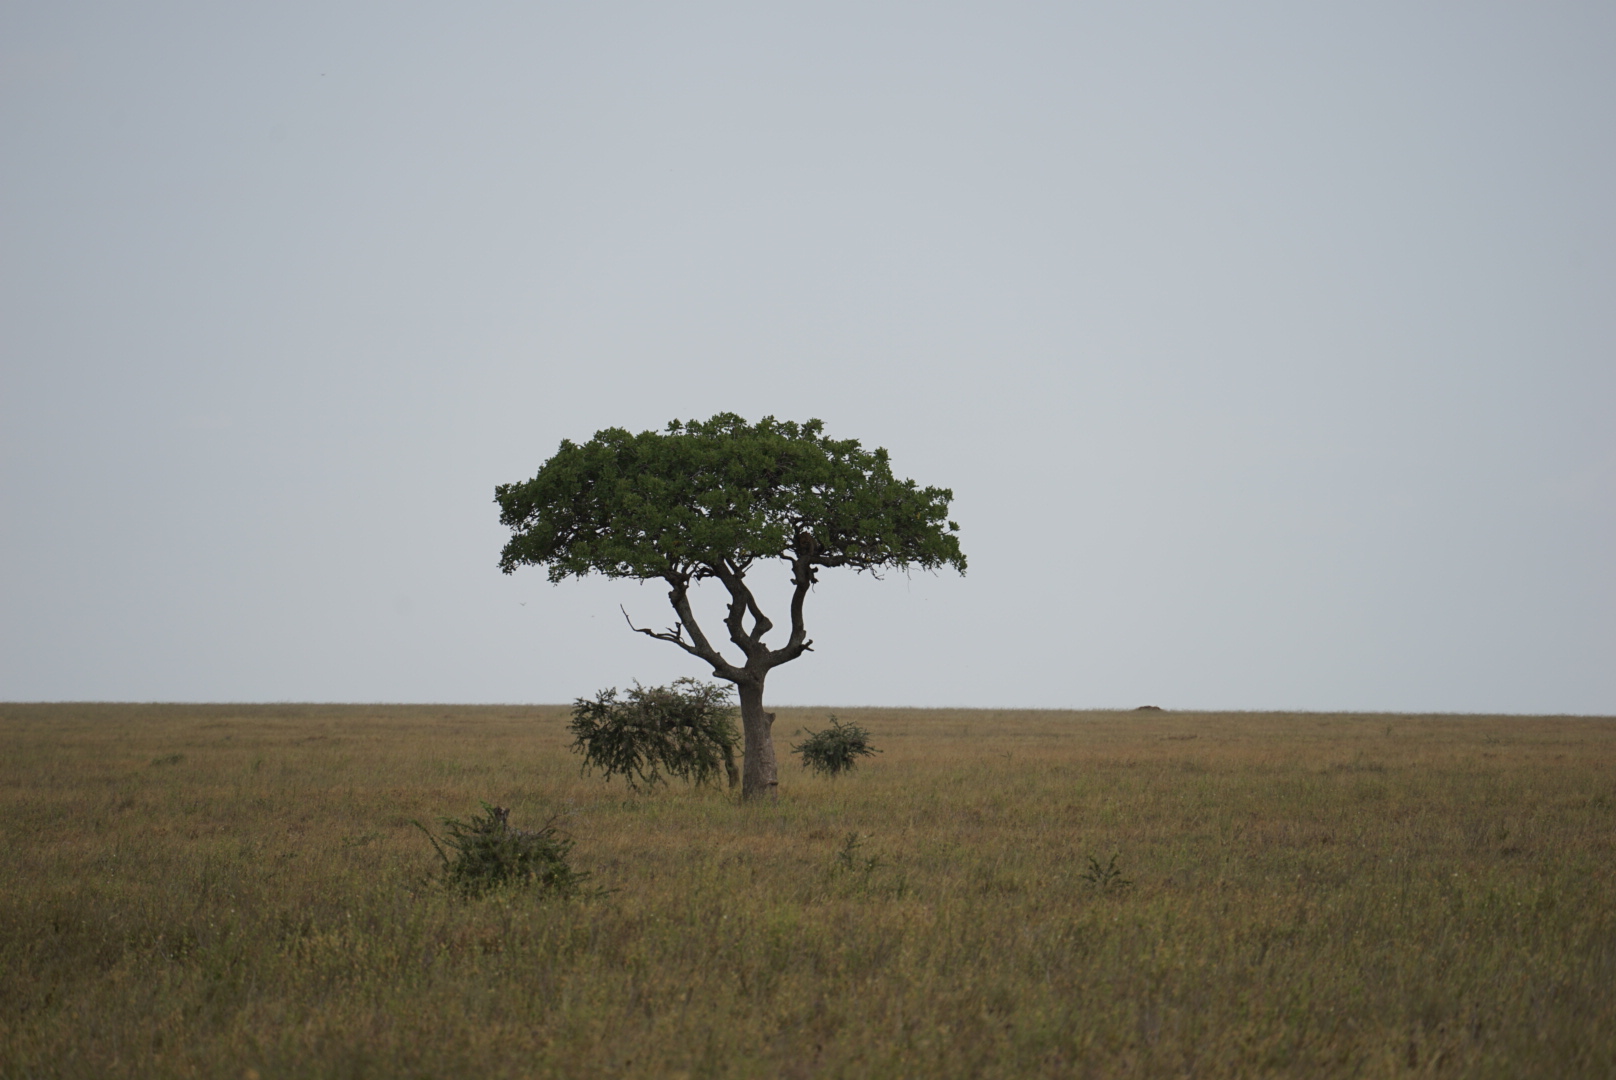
[741, 602]
[674, 634]
[803, 575]
[679, 597]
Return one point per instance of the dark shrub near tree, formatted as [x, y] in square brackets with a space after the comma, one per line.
[685, 730]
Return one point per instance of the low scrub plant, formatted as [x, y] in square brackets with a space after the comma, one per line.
[848, 857]
[854, 873]
[834, 750]
[685, 730]
[1106, 877]
[485, 853]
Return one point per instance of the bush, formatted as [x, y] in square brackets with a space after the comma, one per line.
[685, 730]
[489, 854]
[849, 859]
[1106, 878]
[836, 749]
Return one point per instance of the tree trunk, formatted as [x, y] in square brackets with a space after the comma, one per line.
[758, 776]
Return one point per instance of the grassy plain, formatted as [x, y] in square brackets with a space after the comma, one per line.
[237, 891]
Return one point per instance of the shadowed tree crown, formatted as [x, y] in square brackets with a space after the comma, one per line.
[706, 500]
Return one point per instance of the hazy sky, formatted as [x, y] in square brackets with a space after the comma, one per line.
[1269, 348]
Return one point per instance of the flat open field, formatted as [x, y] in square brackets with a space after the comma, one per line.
[237, 891]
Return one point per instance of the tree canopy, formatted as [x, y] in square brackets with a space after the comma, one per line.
[702, 496]
[708, 499]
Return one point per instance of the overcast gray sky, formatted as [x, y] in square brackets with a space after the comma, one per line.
[1269, 348]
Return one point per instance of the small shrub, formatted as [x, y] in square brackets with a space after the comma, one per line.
[836, 749]
[488, 854]
[849, 859]
[1106, 878]
[854, 873]
[685, 730]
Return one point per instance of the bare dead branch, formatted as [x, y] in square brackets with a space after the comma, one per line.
[673, 634]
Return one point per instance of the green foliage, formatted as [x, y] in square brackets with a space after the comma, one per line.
[836, 749]
[707, 497]
[685, 730]
[488, 854]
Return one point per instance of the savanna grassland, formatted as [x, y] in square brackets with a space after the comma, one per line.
[238, 891]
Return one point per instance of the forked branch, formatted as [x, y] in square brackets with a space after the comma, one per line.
[698, 645]
[742, 603]
[803, 576]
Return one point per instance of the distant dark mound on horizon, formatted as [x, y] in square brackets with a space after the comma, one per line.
[1149, 708]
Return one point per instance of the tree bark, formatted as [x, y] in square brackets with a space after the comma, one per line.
[759, 780]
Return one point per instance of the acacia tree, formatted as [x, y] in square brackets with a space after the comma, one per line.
[706, 500]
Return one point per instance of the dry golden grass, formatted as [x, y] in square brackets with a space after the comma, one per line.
[233, 891]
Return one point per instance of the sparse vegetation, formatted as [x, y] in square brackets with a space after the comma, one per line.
[849, 858]
[685, 730]
[1450, 913]
[834, 750]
